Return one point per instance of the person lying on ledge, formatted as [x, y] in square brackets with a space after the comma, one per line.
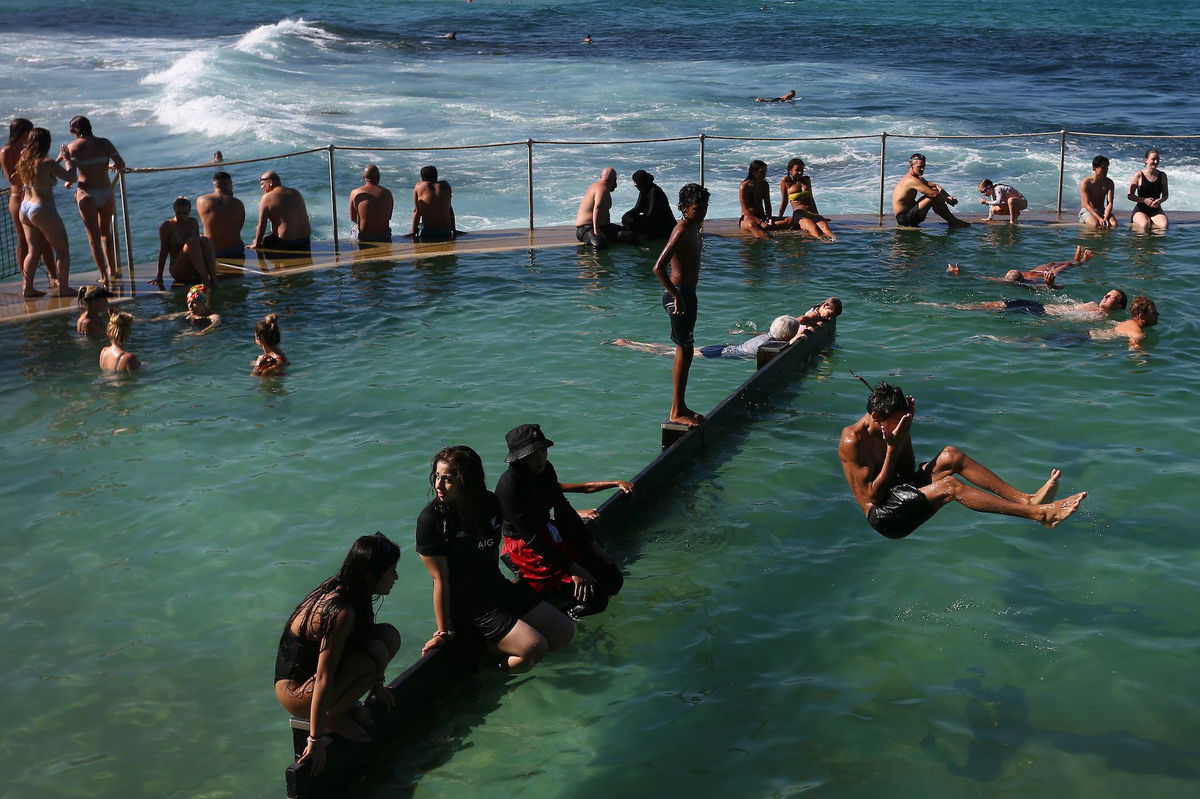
[1043, 275]
[897, 496]
[546, 542]
[332, 650]
[785, 329]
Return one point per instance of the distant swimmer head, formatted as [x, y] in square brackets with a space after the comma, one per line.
[80, 126]
[371, 173]
[830, 307]
[524, 440]
[429, 173]
[197, 294]
[642, 178]
[784, 327]
[1014, 276]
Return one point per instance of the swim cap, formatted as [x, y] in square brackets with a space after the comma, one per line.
[197, 293]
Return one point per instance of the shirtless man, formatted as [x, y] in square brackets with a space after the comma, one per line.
[371, 208]
[1096, 197]
[679, 293]
[897, 496]
[223, 215]
[1143, 313]
[592, 224]
[754, 195]
[433, 213]
[1044, 274]
[288, 215]
[1113, 300]
[914, 197]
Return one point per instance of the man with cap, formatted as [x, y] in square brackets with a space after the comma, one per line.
[651, 217]
[914, 197]
[546, 542]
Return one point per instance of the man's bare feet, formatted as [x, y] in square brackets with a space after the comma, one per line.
[351, 730]
[688, 417]
[1056, 512]
[1047, 491]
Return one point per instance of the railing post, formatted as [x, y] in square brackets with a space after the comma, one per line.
[702, 159]
[529, 177]
[333, 201]
[882, 168]
[125, 223]
[1062, 161]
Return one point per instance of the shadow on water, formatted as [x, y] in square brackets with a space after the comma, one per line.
[999, 723]
[1039, 610]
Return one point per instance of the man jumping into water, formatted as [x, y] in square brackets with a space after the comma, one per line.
[914, 197]
[897, 496]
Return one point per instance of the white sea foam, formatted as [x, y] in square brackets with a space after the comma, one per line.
[265, 40]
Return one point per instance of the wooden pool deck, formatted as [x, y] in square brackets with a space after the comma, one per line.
[132, 282]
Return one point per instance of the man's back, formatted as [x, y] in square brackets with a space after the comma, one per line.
[597, 198]
[373, 207]
[433, 204]
[288, 214]
[223, 216]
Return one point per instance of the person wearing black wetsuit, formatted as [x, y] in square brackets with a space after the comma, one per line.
[651, 217]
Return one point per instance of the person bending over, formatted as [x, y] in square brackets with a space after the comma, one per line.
[546, 543]
[897, 496]
[1002, 200]
[332, 651]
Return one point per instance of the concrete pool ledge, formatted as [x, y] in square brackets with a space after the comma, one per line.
[132, 283]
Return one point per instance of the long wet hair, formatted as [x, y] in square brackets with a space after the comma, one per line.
[33, 154]
[18, 128]
[351, 588]
[467, 469]
[755, 165]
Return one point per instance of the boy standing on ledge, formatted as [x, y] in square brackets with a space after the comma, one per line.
[679, 294]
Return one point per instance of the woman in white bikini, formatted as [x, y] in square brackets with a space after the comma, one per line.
[94, 193]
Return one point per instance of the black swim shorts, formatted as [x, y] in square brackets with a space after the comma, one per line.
[912, 216]
[1031, 307]
[493, 616]
[683, 326]
[902, 511]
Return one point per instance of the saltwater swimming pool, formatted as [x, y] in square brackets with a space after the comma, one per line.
[767, 642]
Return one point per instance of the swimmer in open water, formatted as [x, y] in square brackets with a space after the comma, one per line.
[897, 496]
[266, 335]
[332, 651]
[786, 98]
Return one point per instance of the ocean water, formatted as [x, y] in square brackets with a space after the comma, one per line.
[768, 643]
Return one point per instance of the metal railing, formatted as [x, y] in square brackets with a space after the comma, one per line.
[1060, 136]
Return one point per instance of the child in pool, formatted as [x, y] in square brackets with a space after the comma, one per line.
[199, 315]
[114, 358]
[93, 316]
[266, 335]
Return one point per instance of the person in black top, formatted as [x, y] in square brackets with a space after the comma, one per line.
[332, 650]
[458, 538]
[651, 217]
[545, 541]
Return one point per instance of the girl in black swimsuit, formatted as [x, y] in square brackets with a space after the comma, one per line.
[1148, 189]
[332, 651]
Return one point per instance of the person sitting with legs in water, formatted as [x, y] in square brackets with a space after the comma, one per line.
[651, 216]
[114, 358]
[284, 208]
[223, 216]
[266, 336]
[592, 224]
[332, 650]
[897, 496]
[796, 190]
[546, 543]
[1096, 193]
[44, 228]
[371, 209]
[1002, 200]
[94, 193]
[914, 197]
[433, 209]
[754, 197]
[193, 259]
[458, 537]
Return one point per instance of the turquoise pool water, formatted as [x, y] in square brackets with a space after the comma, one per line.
[768, 643]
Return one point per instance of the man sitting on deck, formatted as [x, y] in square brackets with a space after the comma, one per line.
[371, 209]
[914, 197]
[285, 209]
[784, 329]
[223, 216]
[433, 213]
[592, 223]
[897, 496]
